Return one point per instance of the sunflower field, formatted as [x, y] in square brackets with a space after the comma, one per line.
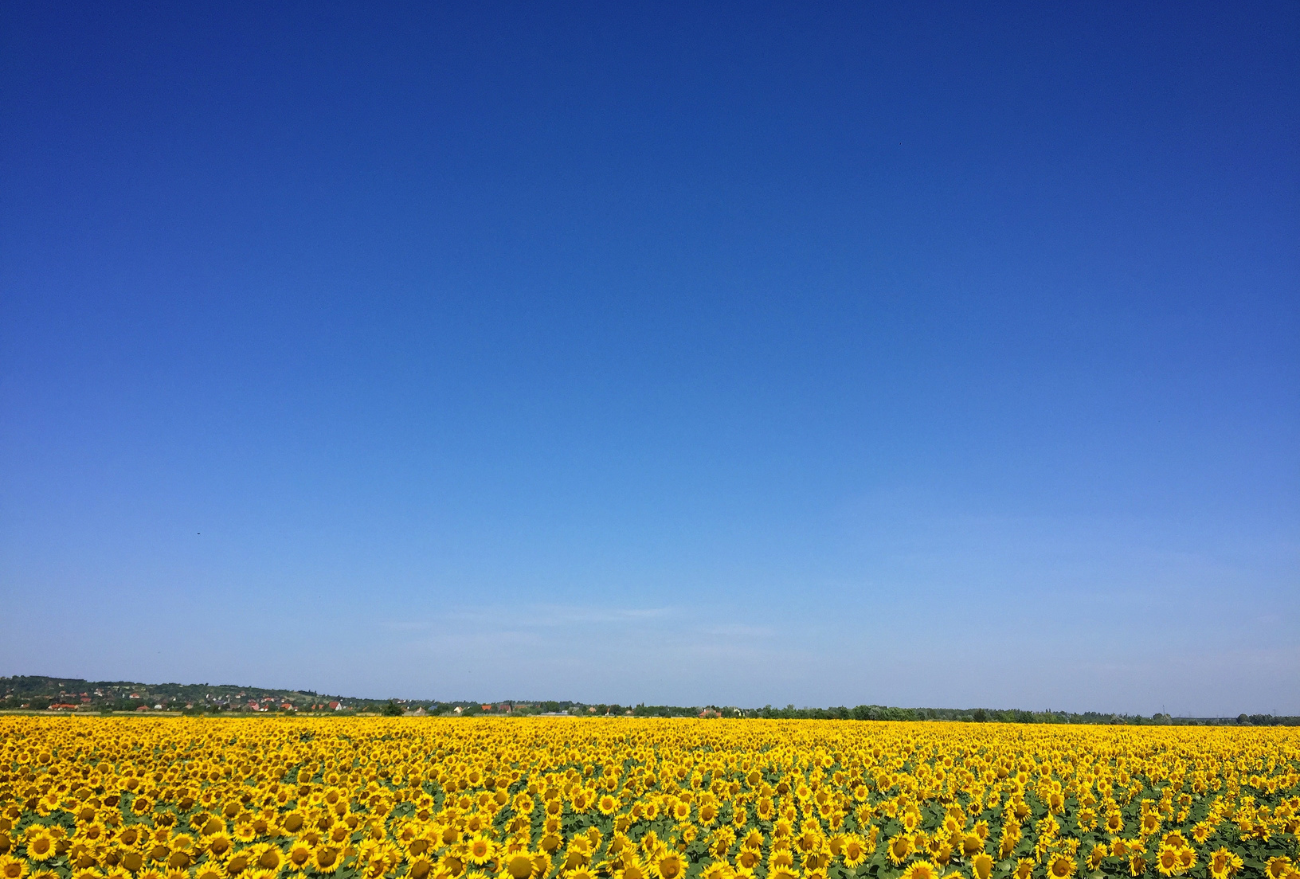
[134, 798]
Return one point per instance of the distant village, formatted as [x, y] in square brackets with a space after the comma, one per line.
[76, 696]
[47, 694]
[67, 694]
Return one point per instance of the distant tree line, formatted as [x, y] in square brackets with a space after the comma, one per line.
[34, 693]
[990, 715]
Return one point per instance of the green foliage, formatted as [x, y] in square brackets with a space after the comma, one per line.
[35, 693]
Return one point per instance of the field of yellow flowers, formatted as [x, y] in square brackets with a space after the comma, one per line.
[90, 798]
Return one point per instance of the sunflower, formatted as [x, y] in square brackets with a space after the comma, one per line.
[541, 865]
[369, 852]
[1061, 866]
[519, 865]
[578, 855]
[238, 862]
[452, 864]
[326, 858]
[607, 804]
[854, 851]
[747, 860]
[480, 850]
[40, 846]
[940, 850]
[94, 830]
[780, 858]
[209, 872]
[420, 867]
[1278, 867]
[299, 855]
[219, 844]
[1224, 864]
[670, 866]
[12, 868]
[900, 849]
[1167, 861]
[632, 867]
[270, 858]
[922, 870]
[982, 866]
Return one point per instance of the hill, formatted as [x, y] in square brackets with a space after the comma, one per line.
[40, 692]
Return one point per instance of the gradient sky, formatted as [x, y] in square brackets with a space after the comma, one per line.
[906, 354]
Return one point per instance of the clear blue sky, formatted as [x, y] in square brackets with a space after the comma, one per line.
[830, 354]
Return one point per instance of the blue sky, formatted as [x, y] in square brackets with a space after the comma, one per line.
[906, 354]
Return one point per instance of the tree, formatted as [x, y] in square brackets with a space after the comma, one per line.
[392, 709]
